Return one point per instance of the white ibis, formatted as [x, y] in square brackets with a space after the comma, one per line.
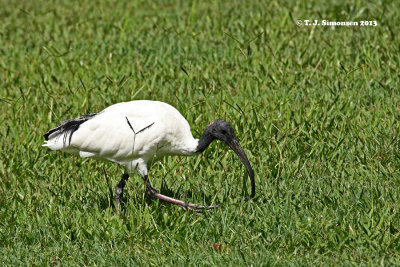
[136, 133]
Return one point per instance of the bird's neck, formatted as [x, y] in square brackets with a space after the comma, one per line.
[204, 141]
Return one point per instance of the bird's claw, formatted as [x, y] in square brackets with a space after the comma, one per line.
[189, 206]
[118, 195]
[199, 208]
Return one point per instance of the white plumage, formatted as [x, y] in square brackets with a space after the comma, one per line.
[108, 135]
[135, 133]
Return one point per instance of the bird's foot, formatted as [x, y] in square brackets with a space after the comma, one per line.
[119, 190]
[119, 193]
[189, 206]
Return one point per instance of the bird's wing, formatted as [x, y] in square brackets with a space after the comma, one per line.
[118, 135]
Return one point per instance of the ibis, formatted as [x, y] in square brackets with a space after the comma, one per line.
[135, 134]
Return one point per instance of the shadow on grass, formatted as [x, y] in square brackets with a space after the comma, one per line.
[107, 201]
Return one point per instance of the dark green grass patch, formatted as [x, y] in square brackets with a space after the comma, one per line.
[316, 109]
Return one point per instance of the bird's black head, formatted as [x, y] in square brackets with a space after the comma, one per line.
[222, 130]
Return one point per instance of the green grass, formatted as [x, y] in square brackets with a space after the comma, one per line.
[317, 110]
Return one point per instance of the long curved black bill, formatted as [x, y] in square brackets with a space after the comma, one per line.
[235, 146]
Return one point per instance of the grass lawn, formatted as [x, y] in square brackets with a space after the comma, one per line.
[317, 110]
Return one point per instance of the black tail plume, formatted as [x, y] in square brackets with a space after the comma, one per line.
[68, 127]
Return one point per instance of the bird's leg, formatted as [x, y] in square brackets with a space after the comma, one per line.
[189, 206]
[119, 190]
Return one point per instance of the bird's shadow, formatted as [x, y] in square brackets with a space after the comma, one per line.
[107, 201]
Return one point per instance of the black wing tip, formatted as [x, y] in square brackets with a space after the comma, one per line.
[69, 126]
[47, 135]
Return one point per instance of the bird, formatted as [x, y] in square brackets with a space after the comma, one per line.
[137, 133]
